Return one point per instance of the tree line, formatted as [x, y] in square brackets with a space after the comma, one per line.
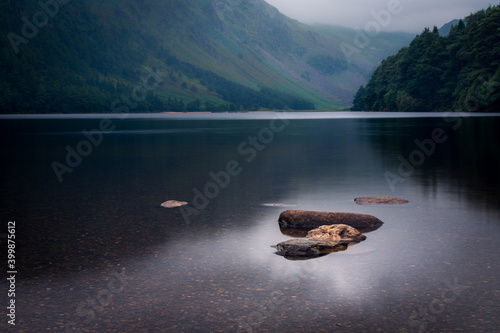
[457, 72]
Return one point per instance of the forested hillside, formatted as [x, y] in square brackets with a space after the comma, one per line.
[70, 58]
[460, 71]
[170, 55]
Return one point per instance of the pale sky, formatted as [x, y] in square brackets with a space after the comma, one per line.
[405, 15]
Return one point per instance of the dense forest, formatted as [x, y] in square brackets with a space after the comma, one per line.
[458, 72]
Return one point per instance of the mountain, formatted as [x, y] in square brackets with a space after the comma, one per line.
[176, 55]
[446, 28]
[460, 71]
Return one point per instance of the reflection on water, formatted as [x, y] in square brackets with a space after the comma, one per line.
[98, 253]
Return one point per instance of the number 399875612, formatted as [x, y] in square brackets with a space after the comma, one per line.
[11, 252]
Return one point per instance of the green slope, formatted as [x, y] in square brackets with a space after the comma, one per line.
[200, 55]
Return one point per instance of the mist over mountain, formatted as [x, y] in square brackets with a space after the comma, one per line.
[173, 55]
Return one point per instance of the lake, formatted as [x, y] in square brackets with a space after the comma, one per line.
[96, 252]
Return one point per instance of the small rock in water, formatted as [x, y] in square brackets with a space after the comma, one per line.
[306, 248]
[173, 204]
[336, 233]
[379, 201]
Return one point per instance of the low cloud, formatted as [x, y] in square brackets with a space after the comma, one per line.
[414, 15]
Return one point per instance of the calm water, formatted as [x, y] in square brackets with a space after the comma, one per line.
[97, 253]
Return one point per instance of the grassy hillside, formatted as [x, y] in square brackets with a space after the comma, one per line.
[196, 55]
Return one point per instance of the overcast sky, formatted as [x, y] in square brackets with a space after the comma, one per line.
[408, 15]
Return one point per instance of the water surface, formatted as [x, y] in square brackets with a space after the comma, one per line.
[97, 252]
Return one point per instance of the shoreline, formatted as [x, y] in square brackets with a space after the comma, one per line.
[246, 115]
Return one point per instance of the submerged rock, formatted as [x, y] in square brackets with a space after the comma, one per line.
[173, 204]
[276, 205]
[308, 220]
[306, 248]
[380, 201]
[336, 233]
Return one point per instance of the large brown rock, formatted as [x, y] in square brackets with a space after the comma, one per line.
[336, 233]
[379, 201]
[308, 220]
[306, 248]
